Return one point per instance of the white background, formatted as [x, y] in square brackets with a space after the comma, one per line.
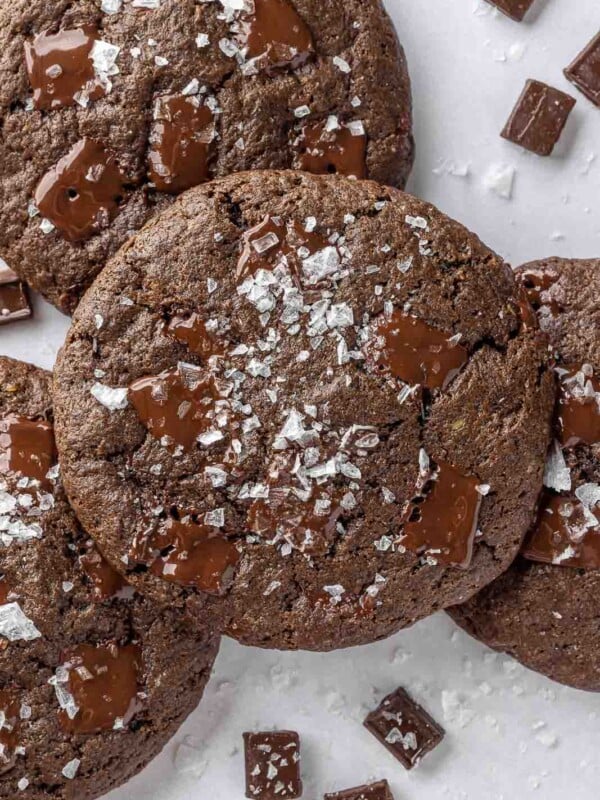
[512, 735]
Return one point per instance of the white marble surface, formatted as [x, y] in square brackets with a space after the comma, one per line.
[512, 735]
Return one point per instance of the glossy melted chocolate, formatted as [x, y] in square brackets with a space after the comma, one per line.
[104, 682]
[180, 403]
[9, 730]
[81, 194]
[416, 352]
[26, 448]
[578, 406]
[341, 150]
[192, 332]
[273, 242]
[564, 534]
[441, 522]
[60, 68]
[276, 35]
[180, 139]
[104, 580]
[189, 554]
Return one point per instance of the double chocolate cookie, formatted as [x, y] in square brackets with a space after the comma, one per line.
[110, 107]
[545, 610]
[311, 396]
[93, 678]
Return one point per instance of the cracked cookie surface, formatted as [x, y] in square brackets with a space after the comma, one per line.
[311, 398]
[108, 109]
[94, 679]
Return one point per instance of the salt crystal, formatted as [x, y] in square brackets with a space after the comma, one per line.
[15, 625]
[115, 399]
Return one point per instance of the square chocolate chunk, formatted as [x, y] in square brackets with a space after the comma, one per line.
[404, 728]
[14, 302]
[515, 9]
[584, 72]
[374, 791]
[272, 765]
[539, 118]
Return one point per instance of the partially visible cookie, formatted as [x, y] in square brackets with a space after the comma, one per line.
[110, 107]
[93, 678]
[545, 611]
[311, 397]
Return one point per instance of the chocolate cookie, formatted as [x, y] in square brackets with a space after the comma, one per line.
[93, 678]
[311, 396]
[111, 107]
[545, 610]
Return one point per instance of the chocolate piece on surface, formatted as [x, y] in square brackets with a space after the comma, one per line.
[515, 9]
[374, 791]
[539, 117]
[272, 765]
[584, 72]
[404, 728]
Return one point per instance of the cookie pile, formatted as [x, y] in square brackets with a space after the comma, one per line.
[296, 405]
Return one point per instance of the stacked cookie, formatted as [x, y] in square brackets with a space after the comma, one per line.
[295, 405]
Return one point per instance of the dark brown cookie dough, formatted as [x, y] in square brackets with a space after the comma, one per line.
[545, 610]
[156, 96]
[232, 417]
[93, 678]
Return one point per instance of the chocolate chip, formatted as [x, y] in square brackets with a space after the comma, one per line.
[515, 9]
[538, 118]
[584, 72]
[272, 765]
[404, 728]
[374, 791]
[80, 195]
[14, 301]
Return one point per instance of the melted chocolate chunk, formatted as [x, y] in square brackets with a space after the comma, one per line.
[276, 35]
[26, 448]
[308, 524]
[442, 521]
[192, 331]
[272, 243]
[515, 9]
[578, 406]
[104, 683]
[189, 554]
[416, 352]
[14, 301]
[105, 581]
[181, 404]
[566, 533]
[584, 72]
[539, 118]
[181, 138]
[61, 70]
[82, 193]
[404, 728]
[527, 315]
[325, 150]
[4, 590]
[9, 730]
[537, 282]
[374, 791]
[272, 765]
